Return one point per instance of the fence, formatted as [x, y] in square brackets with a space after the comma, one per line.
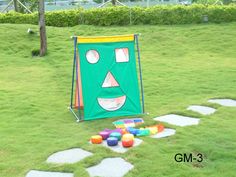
[87, 4]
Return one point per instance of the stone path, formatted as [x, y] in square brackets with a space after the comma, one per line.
[223, 102]
[110, 167]
[68, 156]
[204, 110]
[178, 120]
[118, 167]
[35, 173]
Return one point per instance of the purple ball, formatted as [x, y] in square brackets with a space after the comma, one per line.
[104, 135]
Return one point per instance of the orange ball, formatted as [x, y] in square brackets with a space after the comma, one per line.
[96, 139]
[124, 131]
[160, 128]
[127, 143]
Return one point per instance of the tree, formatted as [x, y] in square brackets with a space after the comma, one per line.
[42, 29]
[16, 5]
[113, 2]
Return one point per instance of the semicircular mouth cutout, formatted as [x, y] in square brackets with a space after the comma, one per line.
[112, 104]
[110, 81]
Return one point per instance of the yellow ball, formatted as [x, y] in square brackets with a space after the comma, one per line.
[128, 136]
[153, 130]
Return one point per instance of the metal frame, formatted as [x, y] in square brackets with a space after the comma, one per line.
[11, 2]
[77, 80]
[75, 69]
[140, 71]
[104, 3]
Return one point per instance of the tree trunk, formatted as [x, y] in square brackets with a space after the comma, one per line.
[16, 5]
[42, 29]
[113, 2]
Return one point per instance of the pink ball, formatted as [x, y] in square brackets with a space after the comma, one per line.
[104, 135]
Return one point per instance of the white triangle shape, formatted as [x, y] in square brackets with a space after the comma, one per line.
[110, 81]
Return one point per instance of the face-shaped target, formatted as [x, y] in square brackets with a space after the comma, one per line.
[109, 78]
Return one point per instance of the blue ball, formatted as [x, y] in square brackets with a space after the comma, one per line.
[133, 131]
[112, 141]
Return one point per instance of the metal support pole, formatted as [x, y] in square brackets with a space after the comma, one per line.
[72, 111]
[73, 74]
[120, 3]
[148, 3]
[77, 82]
[73, 79]
[140, 71]
[24, 6]
[8, 5]
[103, 4]
[19, 3]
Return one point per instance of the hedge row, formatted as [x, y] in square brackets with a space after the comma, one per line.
[176, 14]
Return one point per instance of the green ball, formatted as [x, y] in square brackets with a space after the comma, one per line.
[116, 135]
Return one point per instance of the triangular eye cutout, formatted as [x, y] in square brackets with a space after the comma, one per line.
[110, 81]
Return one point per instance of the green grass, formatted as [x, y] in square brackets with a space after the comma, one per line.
[182, 65]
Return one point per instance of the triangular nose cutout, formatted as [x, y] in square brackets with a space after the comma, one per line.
[110, 81]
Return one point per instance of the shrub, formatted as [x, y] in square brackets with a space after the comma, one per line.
[14, 17]
[107, 16]
[163, 15]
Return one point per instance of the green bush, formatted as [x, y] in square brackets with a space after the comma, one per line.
[63, 18]
[107, 16]
[14, 17]
[164, 15]
[222, 14]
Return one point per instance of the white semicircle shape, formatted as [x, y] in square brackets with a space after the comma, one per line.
[112, 104]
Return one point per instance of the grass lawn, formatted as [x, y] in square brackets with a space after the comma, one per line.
[182, 65]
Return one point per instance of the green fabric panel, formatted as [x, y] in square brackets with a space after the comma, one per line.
[93, 75]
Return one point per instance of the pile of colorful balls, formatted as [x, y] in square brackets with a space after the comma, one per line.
[124, 123]
[126, 135]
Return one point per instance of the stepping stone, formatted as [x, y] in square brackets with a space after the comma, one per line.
[68, 156]
[223, 102]
[119, 148]
[35, 173]
[110, 167]
[204, 110]
[178, 120]
[167, 132]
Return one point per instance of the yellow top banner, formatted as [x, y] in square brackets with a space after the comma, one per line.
[101, 39]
